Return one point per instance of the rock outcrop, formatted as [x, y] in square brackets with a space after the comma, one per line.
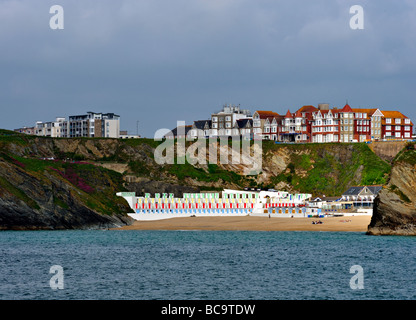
[395, 206]
[40, 194]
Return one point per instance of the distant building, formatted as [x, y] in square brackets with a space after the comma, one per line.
[361, 196]
[180, 132]
[395, 125]
[223, 122]
[92, 124]
[201, 128]
[266, 124]
[243, 127]
[125, 135]
[26, 130]
[54, 129]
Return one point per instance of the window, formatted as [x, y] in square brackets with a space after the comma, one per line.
[388, 128]
[407, 121]
[407, 134]
[397, 128]
[214, 119]
[398, 121]
[388, 120]
[407, 128]
[397, 134]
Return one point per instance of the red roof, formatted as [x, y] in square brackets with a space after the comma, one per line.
[288, 114]
[346, 108]
[308, 109]
[267, 114]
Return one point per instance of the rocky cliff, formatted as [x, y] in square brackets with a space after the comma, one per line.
[71, 183]
[395, 206]
[40, 193]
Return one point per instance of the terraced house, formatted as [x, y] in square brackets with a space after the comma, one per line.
[322, 125]
[308, 124]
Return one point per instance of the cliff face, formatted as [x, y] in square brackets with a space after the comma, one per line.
[44, 194]
[77, 188]
[395, 206]
[48, 202]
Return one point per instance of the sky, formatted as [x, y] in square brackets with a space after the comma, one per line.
[156, 62]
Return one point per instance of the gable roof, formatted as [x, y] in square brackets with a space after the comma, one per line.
[346, 108]
[266, 114]
[369, 112]
[244, 123]
[175, 131]
[200, 124]
[308, 109]
[393, 115]
[298, 114]
[355, 191]
[288, 114]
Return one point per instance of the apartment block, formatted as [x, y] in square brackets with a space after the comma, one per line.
[91, 124]
[223, 122]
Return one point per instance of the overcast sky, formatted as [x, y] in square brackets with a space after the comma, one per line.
[162, 61]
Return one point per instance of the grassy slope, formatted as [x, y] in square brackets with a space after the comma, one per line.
[314, 168]
[322, 169]
[97, 186]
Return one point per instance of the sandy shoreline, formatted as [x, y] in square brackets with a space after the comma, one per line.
[250, 223]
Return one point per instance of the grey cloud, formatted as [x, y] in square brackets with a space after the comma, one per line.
[160, 61]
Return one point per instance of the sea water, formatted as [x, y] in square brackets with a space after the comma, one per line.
[224, 265]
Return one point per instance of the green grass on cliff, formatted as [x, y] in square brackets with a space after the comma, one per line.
[314, 168]
[407, 155]
[97, 186]
[18, 193]
[328, 169]
[331, 168]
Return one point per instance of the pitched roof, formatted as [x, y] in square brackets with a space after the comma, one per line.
[308, 109]
[267, 114]
[346, 108]
[185, 128]
[200, 124]
[393, 115]
[243, 123]
[288, 114]
[355, 191]
[369, 112]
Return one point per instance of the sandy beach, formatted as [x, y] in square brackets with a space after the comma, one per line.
[252, 223]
